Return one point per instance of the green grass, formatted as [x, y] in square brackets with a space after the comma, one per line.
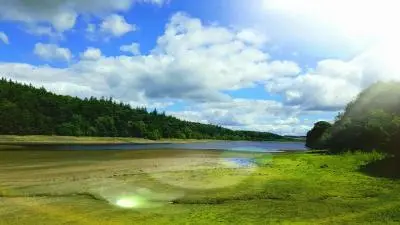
[193, 187]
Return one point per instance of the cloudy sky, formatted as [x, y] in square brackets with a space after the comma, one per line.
[268, 65]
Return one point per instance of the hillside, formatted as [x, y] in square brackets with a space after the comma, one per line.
[26, 110]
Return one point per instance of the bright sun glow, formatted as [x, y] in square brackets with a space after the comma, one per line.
[354, 17]
[127, 203]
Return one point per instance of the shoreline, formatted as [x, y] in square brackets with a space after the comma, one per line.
[70, 140]
[26, 140]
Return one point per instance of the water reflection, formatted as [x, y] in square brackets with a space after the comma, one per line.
[241, 162]
[248, 146]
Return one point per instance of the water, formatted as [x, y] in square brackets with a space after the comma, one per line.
[250, 146]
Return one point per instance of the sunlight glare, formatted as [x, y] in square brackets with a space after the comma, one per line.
[128, 203]
[352, 17]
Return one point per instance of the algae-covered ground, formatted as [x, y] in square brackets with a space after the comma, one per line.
[192, 187]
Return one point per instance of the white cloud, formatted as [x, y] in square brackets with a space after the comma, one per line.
[133, 48]
[55, 79]
[113, 25]
[284, 68]
[334, 83]
[158, 2]
[43, 31]
[61, 14]
[52, 52]
[116, 25]
[70, 82]
[252, 37]
[91, 54]
[245, 114]
[4, 38]
[65, 20]
[206, 60]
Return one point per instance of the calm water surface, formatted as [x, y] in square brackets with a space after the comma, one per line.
[250, 146]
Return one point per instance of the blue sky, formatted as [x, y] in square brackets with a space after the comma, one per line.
[268, 65]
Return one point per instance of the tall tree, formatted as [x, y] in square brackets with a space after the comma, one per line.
[314, 136]
[370, 122]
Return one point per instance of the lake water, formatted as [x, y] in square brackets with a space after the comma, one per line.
[250, 146]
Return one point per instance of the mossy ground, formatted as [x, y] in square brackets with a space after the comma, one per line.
[62, 187]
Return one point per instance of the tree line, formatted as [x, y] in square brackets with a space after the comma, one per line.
[370, 122]
[26, 110]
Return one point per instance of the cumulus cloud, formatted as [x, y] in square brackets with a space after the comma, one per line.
[328, 87]
[206, 60]
[284, 68]
[334, 83]
[91, 54]
[61, 14]
[116, 25]
[133, 48]
[55, 79]
[246, 114]
[39, 30]
[52, 52]
[4, 38]
[252, 37]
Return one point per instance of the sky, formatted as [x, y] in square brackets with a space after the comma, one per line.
[267, 65]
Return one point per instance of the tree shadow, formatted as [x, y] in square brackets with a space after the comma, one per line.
[385, 168]
[318, 152]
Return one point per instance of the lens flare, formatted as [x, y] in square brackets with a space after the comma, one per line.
[128, 195]
[128, 203]
[340, 15]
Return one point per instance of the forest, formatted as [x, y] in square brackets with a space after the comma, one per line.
[370, 122]
[26, 110]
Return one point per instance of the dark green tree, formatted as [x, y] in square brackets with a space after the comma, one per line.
[370, 122]
[314, 136]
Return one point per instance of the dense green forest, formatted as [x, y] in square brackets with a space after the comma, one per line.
[26, 110]
[370, 122]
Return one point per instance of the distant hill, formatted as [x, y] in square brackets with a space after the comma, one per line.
[26, 110]
[297, 138]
